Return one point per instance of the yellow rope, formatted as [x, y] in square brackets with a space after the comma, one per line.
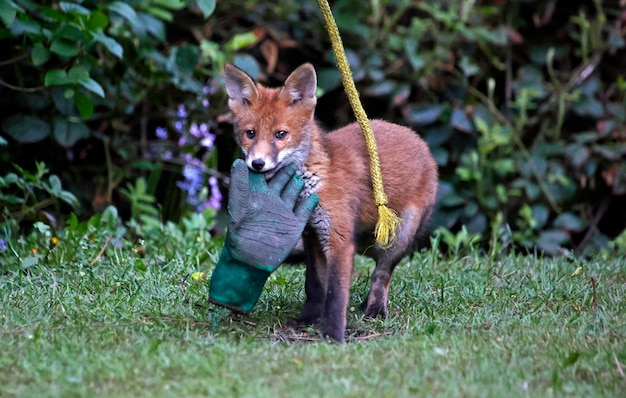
[388, 220]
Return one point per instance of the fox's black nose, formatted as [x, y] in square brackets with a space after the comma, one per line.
[258, 164]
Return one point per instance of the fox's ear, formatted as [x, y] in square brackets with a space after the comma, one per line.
[300, 86]
[240, 87]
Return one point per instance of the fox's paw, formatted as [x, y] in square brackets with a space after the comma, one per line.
[374, 310]
[302, 322]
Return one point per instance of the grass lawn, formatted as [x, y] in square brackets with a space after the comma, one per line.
[114, 322]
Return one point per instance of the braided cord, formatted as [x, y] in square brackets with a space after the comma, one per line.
[388, 220]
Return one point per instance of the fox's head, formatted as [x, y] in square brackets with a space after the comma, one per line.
[272, 125]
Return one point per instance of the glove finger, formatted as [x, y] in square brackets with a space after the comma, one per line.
[281, 178]
[305, 207]
[238, 177]
[239, 192]
[291, 193]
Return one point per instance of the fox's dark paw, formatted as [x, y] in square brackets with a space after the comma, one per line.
[301, 323]
[333, 335]
[374, 310]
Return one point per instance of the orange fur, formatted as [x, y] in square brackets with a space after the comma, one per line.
[275, 127]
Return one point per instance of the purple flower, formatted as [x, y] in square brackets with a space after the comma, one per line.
[3, 245]
[205, 103]
[208, 141]
[179, 126]
[192, 184]
[194, 130]
[215, 199]
[161, 132]
[182, 112]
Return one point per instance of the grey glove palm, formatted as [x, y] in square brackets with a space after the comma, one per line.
[266, 222]
[266, 218]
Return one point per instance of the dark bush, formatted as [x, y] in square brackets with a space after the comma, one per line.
[521, 101]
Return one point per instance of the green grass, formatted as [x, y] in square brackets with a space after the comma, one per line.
[77, 324]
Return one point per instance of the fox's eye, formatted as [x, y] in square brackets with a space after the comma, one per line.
[250, 134]
[281, 134]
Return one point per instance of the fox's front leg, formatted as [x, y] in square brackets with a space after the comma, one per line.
[340, 262]
[315, 282]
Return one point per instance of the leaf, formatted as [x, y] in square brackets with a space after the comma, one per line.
[26, 129]
[55, 77]
[66, 6]
[63, 104]
[530, 79]
[569, 222]
[19, 27]
[110, 44]
[551, 241]
[84, 105]
[123, 9]
[152, 25]
[94, 87]
[39, 54]
[186, 57]
[97, 21]
[248, 63]
[577, 154]
[7, 12]
[411, 50]
[109, 218]
[469, 66]
[206, 6]
[437, 135]
[69, 198]
[460, 121]
[588, 107]
[67, 132]
[422, 115]
[199, 276]
[54, 183]
[240, 40]
[78, 74]
[161, 13]
[381, 88]
[328, 78]
[29, 262]
[171, 4]
[540, 215]
[63, 48]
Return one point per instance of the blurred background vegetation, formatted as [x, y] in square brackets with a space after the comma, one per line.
[119, 105]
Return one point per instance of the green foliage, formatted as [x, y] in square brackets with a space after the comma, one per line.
[519, 102]
[28, 196]
[78, 74]
[76, 47]
[142, 204]
[527, 127]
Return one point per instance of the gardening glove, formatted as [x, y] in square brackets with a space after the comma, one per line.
[266, 221]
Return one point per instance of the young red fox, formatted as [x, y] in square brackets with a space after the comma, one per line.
[275, 127]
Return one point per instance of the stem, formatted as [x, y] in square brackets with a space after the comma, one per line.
[23, 89]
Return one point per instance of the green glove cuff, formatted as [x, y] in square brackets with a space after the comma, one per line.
[236, 285]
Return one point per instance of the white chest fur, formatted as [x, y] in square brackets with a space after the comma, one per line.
[319, 220]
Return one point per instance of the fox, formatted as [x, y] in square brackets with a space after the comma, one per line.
[275, 127]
